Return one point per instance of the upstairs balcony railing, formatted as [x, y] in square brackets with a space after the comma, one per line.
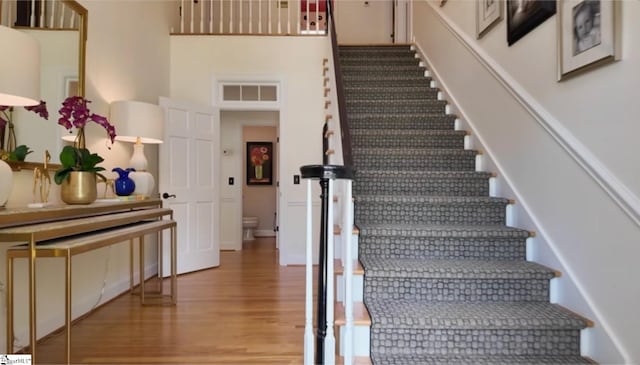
[39, 14]
[250, 17]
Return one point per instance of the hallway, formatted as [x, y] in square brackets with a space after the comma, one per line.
[250, 310]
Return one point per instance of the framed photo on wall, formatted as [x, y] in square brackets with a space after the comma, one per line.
[488, 14]
[525, 15]
[259, 163]
[588, 35]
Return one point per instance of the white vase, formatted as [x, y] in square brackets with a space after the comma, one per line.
[6, 182]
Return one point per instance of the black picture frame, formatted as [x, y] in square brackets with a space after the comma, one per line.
[259, 163]
[525, 15]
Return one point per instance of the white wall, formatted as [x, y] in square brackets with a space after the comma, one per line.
[582, 231]
[127, 58]
[294, 61]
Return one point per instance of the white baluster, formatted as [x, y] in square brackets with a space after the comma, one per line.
[32, 16]
[308, 325]
[330, 339]
[250, 16]
[63, 9]
[192, 21]
[298, 16]
[231, 17]
[269, 17]
[182, 16]
[53, 11]
[259, 16]
[240, 6]
[279, 6]
[41, 15]
[348, 271]
[201, 17]
[221, 13]
[210, 16]
[72, 20]
[289, 18]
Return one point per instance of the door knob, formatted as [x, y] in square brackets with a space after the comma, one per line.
[167, 195]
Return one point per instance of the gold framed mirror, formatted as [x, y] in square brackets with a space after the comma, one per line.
[61, 28]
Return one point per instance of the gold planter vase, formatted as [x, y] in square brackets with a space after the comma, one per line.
[79, 188]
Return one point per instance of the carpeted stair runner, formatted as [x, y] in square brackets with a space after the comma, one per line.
[446, 281]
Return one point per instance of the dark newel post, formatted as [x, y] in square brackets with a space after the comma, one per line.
[322, 272]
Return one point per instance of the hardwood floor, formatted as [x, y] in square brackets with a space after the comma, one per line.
[250, 310]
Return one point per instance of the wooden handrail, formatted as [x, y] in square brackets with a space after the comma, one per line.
[342, 105]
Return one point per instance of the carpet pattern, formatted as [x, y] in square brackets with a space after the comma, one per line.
[446, 281]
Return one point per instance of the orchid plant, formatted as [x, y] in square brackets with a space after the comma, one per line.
[75, 113]
[6, 120]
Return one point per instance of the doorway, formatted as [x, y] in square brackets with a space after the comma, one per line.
[238, 198]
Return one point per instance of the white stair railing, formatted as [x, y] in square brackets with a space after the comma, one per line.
[49, 14]
[250, 16]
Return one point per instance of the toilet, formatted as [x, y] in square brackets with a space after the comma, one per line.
[248, 225]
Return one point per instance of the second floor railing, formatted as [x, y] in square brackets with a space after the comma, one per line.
[40, 14]
[254, 17]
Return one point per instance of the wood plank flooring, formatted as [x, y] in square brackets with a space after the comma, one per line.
[250, 310]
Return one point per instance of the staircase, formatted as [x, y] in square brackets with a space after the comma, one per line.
[445, 281]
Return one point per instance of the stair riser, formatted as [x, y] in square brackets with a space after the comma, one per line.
[379, 61]
[415, 163]
[475, 342]
[415, 141]
[361, 340]
[404, 71]
[379, 122]
[443, 248]
[452, 290]
[416, 186]
[382, 94]
[402, 107]
[419, 213]
[385, 81]
[358, 288]
[368, 69]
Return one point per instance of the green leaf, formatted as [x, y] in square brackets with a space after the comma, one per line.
[61, 175]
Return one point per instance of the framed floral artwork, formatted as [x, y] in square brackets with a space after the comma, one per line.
[259, 163]
[488, 14]
[524, 16]
[588, 35]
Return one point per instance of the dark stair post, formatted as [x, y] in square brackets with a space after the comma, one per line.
[324, 173]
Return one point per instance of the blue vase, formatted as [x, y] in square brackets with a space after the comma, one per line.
[123, 185]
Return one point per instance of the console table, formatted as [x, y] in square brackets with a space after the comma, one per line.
[68, 230]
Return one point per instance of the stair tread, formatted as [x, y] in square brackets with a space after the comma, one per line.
[454, 269]
[426, 230]
[357, 360]
[339, 268]
[464, 315]
[337, 229]
[361, 315]
[414, 359]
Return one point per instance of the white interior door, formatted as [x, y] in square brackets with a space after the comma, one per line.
[189, 174]
[401, 21]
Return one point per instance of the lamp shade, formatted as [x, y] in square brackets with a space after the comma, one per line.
[135, 119]
[19, 68]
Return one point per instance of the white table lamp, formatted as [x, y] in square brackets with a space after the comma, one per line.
[19, 84]
[139, 123]
[19, 68]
